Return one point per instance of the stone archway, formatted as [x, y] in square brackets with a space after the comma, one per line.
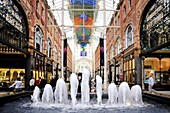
[155, 26]
[14, 37]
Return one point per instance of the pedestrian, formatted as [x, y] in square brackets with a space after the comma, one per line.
[17, 84]
[151, 83]
[79, 85]
[52, 82]
[32, 84]
[43, 82]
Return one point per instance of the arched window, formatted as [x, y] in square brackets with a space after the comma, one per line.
[111, 52]
[49, 47]
[38, 39]
[37, 2]
[118, 46]
[107, 56]
[55, 53]
[129, 36]
[59, 57]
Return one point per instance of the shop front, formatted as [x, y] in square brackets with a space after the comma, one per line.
[14, 56]
[155, 41]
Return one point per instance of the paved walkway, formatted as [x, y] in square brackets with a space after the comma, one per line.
[160, 93]
[7, 93]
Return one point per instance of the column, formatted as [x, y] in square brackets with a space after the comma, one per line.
[29, 59]
[105, 66]
[138, 65]
[143, 86]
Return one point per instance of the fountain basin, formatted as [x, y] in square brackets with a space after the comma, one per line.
[23, 105]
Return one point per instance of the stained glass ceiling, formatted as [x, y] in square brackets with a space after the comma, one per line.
[82, 19]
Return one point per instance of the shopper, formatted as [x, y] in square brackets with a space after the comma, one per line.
[52, 82]
[43, 82]
[32, 84]
[17, 84]
[151, 83]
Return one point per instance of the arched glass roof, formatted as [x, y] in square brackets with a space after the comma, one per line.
[83, 19]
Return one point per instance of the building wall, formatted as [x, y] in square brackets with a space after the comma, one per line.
[45, 20]
[69, 58]
[132, 17]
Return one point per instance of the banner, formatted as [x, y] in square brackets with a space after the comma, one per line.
[101, 52]
[65, 53]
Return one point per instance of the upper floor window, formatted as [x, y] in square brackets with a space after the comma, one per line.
[129, 36]
[38, 39]
[49, 47]
[118, 46]
[42, 12]
[37, 1]
[55, 53]
[48, 20]
[118, 20]
[124, 10]
[130, 3]
[111, 52]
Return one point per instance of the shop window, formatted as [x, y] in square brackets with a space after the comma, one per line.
[15, 75]
[129, 69]
[8, 75]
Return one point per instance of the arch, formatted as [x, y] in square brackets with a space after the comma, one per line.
[13, 8]
[155, 27]
[13, 25]
[129, 36]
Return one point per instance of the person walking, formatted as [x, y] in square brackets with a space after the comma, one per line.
[52, 82]
[17, 84]
[32, 84]
[151, 83]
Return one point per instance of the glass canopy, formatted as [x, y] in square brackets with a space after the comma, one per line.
[83, 19]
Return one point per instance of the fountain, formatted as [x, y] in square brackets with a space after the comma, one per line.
[123, 97]
[36, 95]
[124, 94]
[60, 93]
[85, 87]
[112, 94]
[74, 86]
[48, 96]
[136, 95]
[99, 89]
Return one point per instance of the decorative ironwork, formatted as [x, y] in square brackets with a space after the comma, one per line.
[155, 30]
[13, 25]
